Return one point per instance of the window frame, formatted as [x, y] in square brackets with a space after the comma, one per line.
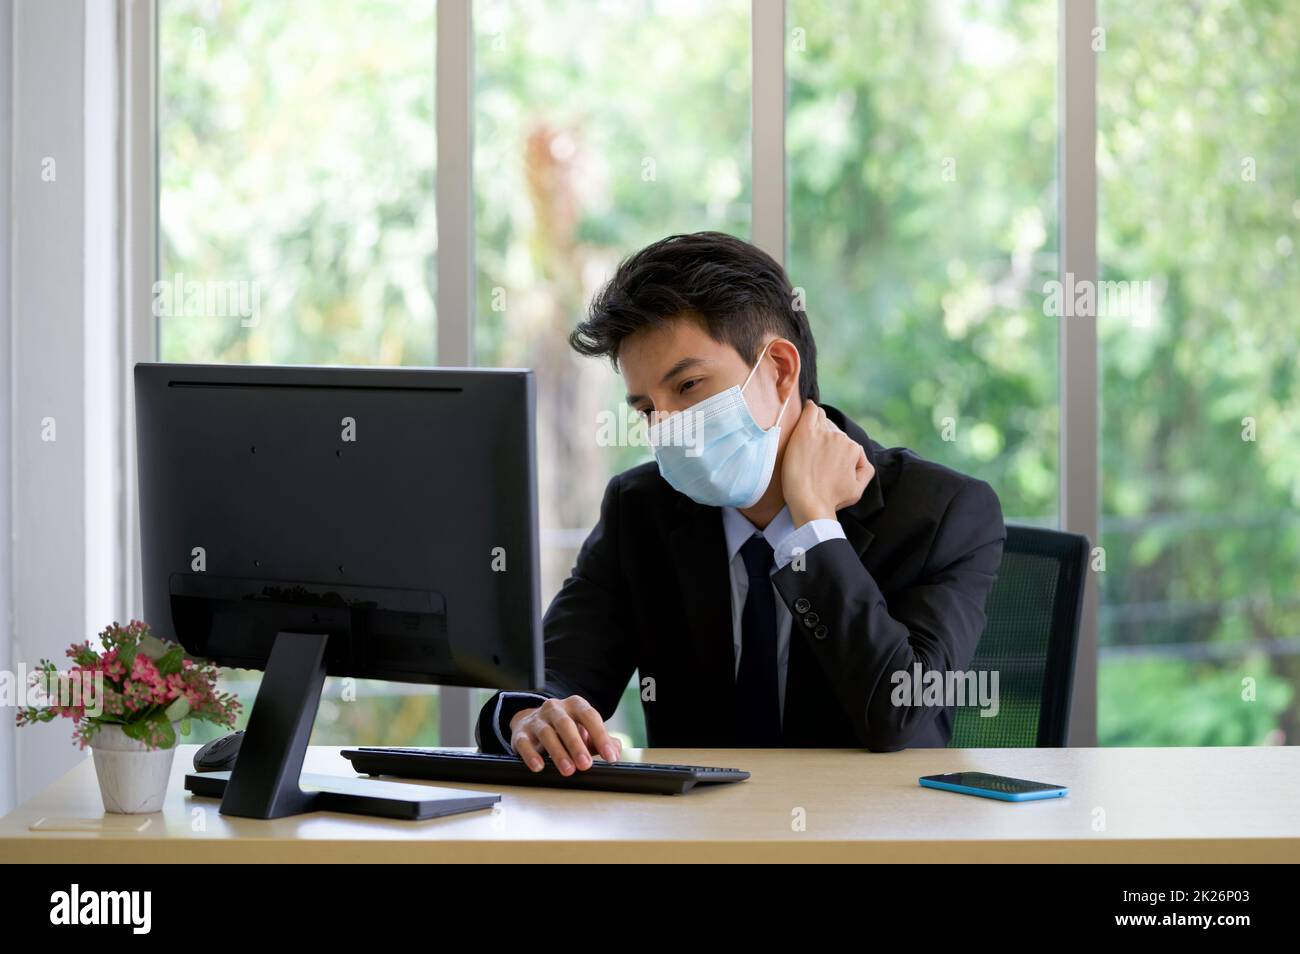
[1078, 472]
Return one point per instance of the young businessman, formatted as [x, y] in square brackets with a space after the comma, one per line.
[773, 567]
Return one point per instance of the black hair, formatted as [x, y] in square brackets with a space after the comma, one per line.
[737, 290]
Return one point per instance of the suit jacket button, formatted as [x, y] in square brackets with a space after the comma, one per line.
[820, 632]
[801, 605]
[811, 620]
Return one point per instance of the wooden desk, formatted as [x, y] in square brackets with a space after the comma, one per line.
[1192, 805]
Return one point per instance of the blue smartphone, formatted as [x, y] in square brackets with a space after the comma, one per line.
[994, 786]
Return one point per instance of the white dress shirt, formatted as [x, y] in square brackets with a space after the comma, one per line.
[786, 542]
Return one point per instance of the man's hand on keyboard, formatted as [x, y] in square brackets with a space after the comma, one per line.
[569, 730]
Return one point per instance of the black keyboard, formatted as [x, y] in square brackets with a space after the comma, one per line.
[442, 765]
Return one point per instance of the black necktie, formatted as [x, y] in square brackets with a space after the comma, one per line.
[759, 705]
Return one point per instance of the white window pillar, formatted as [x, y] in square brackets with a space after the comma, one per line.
[767, 126]
[1080, 499]
[454, 95]
[8, 772]
[65, 361]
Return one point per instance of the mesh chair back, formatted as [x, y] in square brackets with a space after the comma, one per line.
[1029, 640]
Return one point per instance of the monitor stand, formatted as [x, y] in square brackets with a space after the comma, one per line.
[267, 780]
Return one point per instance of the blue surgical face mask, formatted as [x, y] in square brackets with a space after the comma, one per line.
[714, 452]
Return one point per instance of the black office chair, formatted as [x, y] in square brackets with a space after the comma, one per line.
[1030, 640]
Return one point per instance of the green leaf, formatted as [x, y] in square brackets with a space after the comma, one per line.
[127, 655]
[137, 730]
[171, 661]
[185, 725]
[179, 709]
[86, 657]
[153, 647]
[166, 731]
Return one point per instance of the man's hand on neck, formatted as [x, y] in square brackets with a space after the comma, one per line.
[823, 470]
[773, 499]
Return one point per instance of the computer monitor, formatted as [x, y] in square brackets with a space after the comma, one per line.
[365, 522]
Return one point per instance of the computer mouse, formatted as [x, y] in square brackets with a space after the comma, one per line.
[219, 754]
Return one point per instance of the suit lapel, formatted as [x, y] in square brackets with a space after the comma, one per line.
[809, 704]
[854, 517]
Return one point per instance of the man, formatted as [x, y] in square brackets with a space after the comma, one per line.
[774, 567]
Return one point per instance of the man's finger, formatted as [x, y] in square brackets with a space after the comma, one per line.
[568, 732]
[525, 749]
[555, 748]
[599, 740]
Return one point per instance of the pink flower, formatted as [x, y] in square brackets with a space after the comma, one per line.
[129, 693]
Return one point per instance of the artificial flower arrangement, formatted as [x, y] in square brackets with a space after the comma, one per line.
[149, 685]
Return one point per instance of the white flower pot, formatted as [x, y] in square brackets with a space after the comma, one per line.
[132, 777]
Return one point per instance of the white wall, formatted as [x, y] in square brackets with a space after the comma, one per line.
[48, 343]
[64, 360]
[8, 788]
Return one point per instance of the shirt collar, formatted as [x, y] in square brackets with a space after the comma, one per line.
[738, 529]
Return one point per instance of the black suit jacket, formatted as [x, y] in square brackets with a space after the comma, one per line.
[650, 591]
